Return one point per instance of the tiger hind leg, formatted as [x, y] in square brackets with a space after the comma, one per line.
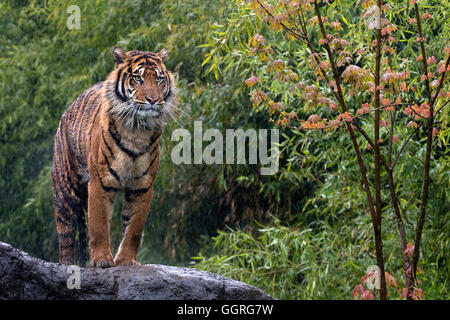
[66, 229]
[69, 216]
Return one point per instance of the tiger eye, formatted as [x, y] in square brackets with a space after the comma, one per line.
[159, 79]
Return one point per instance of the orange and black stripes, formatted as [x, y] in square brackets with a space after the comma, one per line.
[139, 61]
[69, 187]
[149, 150]
[108, 142]
[143, 174]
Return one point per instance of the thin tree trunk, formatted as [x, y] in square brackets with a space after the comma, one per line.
[378, 206]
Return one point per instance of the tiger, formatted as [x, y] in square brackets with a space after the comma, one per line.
[106, 144]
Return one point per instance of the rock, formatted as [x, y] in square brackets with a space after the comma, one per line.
[25, 277]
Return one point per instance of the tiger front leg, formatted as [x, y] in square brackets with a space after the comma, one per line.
[100, 205]
[136, 207]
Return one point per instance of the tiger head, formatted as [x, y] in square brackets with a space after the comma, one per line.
[141, 92]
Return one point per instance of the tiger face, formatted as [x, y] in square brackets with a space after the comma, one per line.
[141, 89]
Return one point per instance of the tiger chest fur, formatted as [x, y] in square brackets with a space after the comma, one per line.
[107, 143]
[128, 163]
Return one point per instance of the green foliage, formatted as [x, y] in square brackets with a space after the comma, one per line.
[316, 239]
[285, 83]
[292, 262]
[45, 66]
[324, 262]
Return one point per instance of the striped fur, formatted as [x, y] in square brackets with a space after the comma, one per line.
[107, 142]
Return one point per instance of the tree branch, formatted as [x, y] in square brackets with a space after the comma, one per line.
[422, 48]
[286, 28]
[376, 216]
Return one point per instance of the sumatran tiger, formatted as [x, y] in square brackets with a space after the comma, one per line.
[107, 143]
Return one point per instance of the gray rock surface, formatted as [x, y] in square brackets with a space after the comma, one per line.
[25, 277]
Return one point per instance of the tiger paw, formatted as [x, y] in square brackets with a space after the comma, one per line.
[103, 262]
[126, 262]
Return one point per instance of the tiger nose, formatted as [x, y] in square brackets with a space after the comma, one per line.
[152, 100]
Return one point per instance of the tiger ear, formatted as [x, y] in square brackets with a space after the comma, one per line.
[118, 55]
[163, 54]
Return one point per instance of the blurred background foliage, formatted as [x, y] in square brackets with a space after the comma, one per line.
[303, 233]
